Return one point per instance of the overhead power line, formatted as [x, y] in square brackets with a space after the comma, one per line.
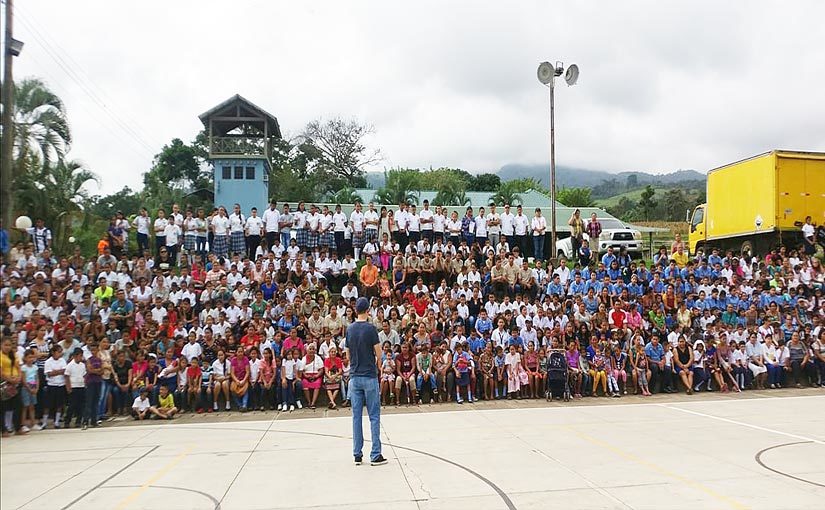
[88, 88]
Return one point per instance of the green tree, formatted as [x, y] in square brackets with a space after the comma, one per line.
[345, 196]
[342, 152]
[675, 203]
[575, 197]
[42, 136]
[124, 200]
[41, 126]
[509, 192]
[56, 193]
[400, 185]
[177, 170]
[646, 203]
[484, 182]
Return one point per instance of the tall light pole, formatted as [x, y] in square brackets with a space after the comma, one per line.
[547, 73]
[12, 49]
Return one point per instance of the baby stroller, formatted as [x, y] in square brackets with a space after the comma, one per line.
[558, 381]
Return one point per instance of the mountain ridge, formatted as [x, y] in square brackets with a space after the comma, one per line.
[572, 177]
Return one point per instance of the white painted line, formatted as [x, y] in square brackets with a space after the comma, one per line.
[744, 424]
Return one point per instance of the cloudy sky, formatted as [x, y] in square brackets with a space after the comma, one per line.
[664, 85]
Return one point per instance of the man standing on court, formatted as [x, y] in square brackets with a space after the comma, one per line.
[365, 362]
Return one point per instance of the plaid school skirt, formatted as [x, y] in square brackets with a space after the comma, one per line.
[238, 242]
[358, 239]
[190, 242]
[301, 237]
[328, 239]
[221, 246]
[312, 239]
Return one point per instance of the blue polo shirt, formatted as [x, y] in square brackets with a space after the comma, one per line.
[654, 353]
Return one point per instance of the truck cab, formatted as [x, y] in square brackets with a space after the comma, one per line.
[698, 232]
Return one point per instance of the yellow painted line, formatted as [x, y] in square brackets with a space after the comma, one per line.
[659, 469]
[157, 476]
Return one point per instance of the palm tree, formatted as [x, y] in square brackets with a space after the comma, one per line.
[345, 196]
[509, 192]
[451, 197]
[55, 193]
[41, 127]
[399, 186]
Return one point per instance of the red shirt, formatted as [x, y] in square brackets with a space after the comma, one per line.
[420, 306]
[250, 340]
[618, 317]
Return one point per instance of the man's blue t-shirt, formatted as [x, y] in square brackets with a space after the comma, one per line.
[362, 337]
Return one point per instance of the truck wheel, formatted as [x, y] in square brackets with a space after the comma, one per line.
[747, 247]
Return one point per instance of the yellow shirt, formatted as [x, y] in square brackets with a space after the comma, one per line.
[7, 368]
[101, 293]
[167, 402]
[680, 259]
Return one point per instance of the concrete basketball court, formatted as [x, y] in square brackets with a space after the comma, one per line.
[766, 452]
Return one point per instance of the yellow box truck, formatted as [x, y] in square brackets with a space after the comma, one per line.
[758, 203]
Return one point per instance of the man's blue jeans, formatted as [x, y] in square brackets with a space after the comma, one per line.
[364, 391]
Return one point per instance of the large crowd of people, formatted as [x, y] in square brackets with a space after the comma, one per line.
[207, 311]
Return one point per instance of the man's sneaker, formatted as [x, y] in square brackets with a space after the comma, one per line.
[39, 426]
[378, 461]
[459, 401]
[300, 405]
[359, 460]
[291, 408]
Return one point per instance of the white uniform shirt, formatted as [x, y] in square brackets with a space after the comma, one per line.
[520, 222]
[270, 219]
[439, 220]
[426, 214]
[254, 225]
[507, 223]
[357, 221]
[221, 225]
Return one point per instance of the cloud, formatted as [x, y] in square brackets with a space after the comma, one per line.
[663, 85]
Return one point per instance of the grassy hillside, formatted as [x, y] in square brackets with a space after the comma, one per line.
[634, 195]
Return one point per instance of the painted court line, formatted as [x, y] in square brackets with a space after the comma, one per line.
[157, 476]
[659, 469]
[743, 424]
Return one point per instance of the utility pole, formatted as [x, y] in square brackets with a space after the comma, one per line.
[553, 172]
[7, 164]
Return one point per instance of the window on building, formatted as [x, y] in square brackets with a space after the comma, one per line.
[250, 173]
[226, 172]
[238, 172]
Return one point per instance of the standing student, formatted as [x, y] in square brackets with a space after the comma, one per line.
[10, 376]
[142, 223]
[55, 396]
[160, 224]
[271, 218]
[254, 228]
[28, 392]
[76, 389]
[364, 350]
[539, 227]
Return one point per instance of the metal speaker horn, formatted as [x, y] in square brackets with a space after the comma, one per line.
[572, 74]
[546, 73]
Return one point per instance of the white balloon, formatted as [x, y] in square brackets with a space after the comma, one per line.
[23, 222]
[72, 239]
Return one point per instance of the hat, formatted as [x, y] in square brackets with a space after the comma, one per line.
[40, 274]
[362, 305]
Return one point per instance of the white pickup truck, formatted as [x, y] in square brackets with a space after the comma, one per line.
[614, 233]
